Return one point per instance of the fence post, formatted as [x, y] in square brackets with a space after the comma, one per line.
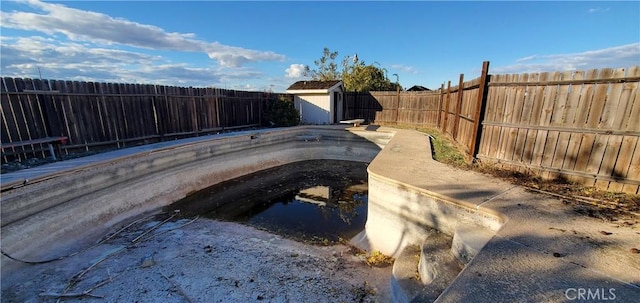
[446, 108]
[481, 106]
[439, 125]
[398, 106]
[458, 108]
[193, 108]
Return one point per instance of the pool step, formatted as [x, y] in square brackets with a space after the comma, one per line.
[468, 240]
[421, 273]
[438, 267]
[405, 284]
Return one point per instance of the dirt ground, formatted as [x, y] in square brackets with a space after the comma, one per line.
[183, 260]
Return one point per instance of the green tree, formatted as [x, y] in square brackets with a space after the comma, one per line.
[355, 74]
[358, 76]
[327, 69]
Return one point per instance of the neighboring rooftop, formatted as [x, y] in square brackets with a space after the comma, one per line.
[418, 88]
[313, 84]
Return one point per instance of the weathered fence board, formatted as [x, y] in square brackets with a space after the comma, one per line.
[118, 114]
[579, 125]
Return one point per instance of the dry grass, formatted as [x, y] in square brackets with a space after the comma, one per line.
[378, 259]
[587, 200]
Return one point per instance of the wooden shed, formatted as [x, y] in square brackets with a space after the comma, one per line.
[318, 102]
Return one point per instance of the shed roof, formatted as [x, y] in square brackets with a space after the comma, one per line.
[312, 84]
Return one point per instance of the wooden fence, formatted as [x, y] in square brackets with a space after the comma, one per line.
[454, 109]
[580, 125]
[102, 114]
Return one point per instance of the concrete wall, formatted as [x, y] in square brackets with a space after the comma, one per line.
[400, 215]
[409, 193]
[42, 220]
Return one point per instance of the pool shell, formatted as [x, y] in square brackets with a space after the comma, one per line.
[59, 211]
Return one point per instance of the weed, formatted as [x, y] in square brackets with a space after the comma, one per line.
[378, 259]
[444, 149]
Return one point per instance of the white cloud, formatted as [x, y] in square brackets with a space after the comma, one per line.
[86, 26]
[613, 57]
[247, 87]
[598, 10]
[23, 56]
[528, 58]
[405, 68]
[295, 71]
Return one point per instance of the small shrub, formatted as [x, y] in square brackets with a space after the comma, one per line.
[280, 112]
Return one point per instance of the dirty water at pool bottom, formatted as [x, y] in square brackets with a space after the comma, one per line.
[317, 202]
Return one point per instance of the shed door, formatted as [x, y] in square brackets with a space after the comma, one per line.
[337, 107]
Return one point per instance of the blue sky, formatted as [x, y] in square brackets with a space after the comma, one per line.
[264, 45]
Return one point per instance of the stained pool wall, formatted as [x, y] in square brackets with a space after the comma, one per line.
[40, 220]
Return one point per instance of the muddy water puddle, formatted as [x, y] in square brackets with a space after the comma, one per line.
[318, 201]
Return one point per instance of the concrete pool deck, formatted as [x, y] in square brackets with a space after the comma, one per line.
[542, 251]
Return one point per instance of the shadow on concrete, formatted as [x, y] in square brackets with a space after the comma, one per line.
[518, 269]
[469, 193]
[372, 127]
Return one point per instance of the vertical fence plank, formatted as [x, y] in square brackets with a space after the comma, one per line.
[508, 133]
[623, 113]
[9, 121]
[456, 122]
[440, 106]
[634, 171]
[41, 108]
[599, 107]
[626, 115]
[573, 102]
[537, 119]
[545, 120]
[33, 115]
[518, 110]
[623, 162]
[501, 99]
[529, 136]
[586, 140]
[612, 142]
[446, 108]
[485, 137]
[559, 118]
[633, 123]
